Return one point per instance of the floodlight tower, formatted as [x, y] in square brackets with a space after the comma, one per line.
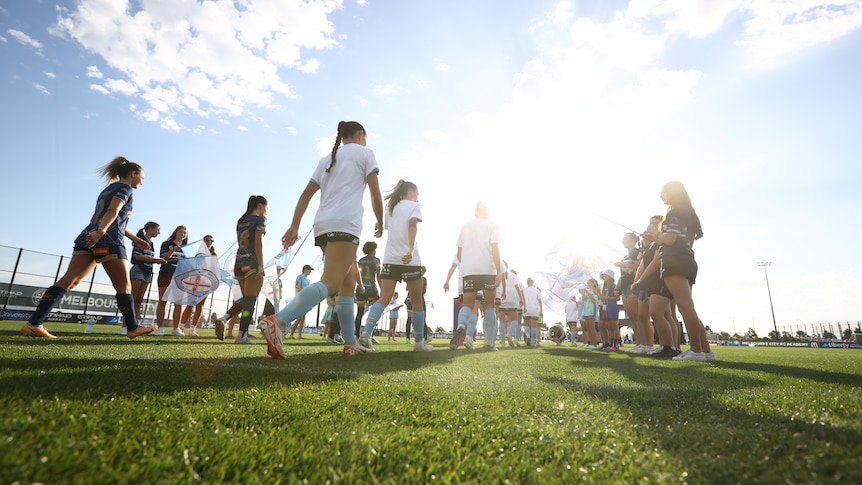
[764, 265]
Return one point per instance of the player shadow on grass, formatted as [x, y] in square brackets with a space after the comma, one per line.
[753, 367]
[714, 426]
[33, 378]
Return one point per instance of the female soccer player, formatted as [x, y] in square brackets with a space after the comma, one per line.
[651, 304]
[394, 306]
[532, 312]
[248, 268]
[341, 179]
[609, 323]
[401, 262]
[101, 241]
[369, 275]
[628, 266]
[171, 251]
[679, 229]
[481, 271]
[141, 273]
[590, 299]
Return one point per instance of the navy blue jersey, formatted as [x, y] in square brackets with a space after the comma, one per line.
[626, 279]
[174, 259]
[246, 233]
[649, 254]
[679, 222]
[368, 267]
[145, 266]
[117, 230]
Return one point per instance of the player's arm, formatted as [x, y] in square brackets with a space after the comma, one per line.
[258, 248]
[376, 202]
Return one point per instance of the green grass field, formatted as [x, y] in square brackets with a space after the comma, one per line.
[102, 409]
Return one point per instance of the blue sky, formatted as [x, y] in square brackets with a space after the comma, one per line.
[547, 111]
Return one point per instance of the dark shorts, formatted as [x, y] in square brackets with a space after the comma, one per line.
[165, 278]
[651, 286]
[400, 272]
[613, 314]
[328, 237]
[686, 267]
[366, 293]
[245, 267]
[136, 273]
[100, 252]
[482, 282]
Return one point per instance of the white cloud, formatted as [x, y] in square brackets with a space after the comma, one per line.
[324, 144]
[42, 89]
[778, 30]
[442, 67]
[291, 130]
[170, 125]
[94, 72]
[3, 39]
[623, 43]
[25, 39]
[150, 115]
[101, 89]
[224, 55]
[120, 86]
[310, 67]
[242, 128]
[422, 83]
[561, 13]
[50, 75]
[384, 90]
[362, 101]
[774, 30]
[695, 18]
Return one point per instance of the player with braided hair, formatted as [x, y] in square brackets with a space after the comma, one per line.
[341, 178]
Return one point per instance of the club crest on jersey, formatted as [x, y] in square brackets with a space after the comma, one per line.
[197, 282]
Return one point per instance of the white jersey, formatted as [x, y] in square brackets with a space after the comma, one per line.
[572, 311]
[398, 241]
[342, 188]
[512, 301]
[475, 242]
[532, 297]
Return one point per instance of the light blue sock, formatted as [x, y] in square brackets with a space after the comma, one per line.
[501, 332]
[307, 299]
[463, 316]
[489, 326]
[374, 314]
[345, 306]
[419, 326]
[574, 336]
[533, 335]
[513, 331]
[471, 325]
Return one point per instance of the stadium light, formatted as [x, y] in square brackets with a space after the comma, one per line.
[764, 265]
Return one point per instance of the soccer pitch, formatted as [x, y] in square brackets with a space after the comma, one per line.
[99, 408]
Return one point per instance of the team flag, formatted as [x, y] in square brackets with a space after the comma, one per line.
[285, 257]
[193, 280]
